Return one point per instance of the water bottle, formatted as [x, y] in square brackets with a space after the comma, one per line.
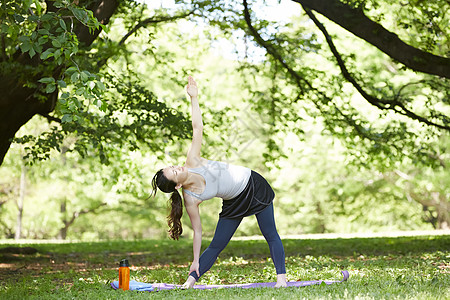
[124, 275]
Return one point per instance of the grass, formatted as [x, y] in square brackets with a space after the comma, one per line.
[415, 267]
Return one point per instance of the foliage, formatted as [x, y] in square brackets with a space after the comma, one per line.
[95, 107]
[346, 112]
[38, 29]
[380, 268]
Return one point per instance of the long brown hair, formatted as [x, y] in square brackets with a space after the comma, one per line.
[176, 212]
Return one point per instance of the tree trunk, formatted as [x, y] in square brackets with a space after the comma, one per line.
[62, 235]
[75, 215]
[442, 210]
[18, 103]
[20, 201]
[320, 226]
[438, 204]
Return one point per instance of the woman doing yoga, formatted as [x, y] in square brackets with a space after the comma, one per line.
[244, 193]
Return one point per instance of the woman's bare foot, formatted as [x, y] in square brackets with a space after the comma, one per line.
[189, 283]
[281, 281]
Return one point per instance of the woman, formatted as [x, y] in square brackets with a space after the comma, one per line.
[244, 193]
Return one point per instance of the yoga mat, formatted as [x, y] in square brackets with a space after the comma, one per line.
[167, 286]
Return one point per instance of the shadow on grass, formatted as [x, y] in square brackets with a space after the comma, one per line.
[165, 253]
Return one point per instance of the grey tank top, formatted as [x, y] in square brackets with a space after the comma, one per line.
[222, 180]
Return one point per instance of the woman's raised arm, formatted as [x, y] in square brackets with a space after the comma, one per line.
[193, 156]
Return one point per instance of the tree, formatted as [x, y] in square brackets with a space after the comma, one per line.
[398, 99]
[61, 52]
[49, 61]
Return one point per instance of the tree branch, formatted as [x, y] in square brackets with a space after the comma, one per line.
[380, 103]
[271, 50]
[51, 118]
[103, 11]
[299, 79]
[359, 24]
[76, 214]
[153, 21]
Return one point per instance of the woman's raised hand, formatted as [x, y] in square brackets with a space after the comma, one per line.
[191, 87]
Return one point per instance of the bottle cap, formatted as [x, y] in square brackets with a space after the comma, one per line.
[124, 263]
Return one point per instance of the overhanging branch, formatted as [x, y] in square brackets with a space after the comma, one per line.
[360, 25]
[299, 79]
[380, 103]
[359, 130]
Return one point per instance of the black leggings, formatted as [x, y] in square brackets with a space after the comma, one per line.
[225, 230]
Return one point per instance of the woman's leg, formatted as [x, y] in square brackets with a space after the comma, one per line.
[266, 222]
[224, 231]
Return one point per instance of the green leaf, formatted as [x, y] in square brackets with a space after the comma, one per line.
[42, 40]
[37, 48]
[47, 17]
[79, 91]
[56, 43]
[47, 53]
[32, 52]
[50, 88]
[75, 77]
[77, 102]
[57, 53]
[43, 32]
[67, 53]
[26, 46]
[84, 76]
[62, 24]
[47, 80]
[100, 86]
[71, 69]
[80, 14]
[62, 83]
[66, 118]
[64, 95]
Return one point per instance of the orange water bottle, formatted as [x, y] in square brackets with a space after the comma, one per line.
[124, 275]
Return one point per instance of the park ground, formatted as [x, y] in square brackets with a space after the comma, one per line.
[401, 265]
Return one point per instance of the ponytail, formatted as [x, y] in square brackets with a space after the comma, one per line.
[176, 212]
[174, 218]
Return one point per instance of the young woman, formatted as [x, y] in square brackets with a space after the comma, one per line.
[244, 193]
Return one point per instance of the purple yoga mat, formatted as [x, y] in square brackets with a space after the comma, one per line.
[166, 286]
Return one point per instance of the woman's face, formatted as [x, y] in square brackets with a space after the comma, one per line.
[177, 174]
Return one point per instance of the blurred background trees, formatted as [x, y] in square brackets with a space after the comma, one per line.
[352, 132]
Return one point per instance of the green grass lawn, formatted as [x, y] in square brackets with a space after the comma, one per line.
[380, 268]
